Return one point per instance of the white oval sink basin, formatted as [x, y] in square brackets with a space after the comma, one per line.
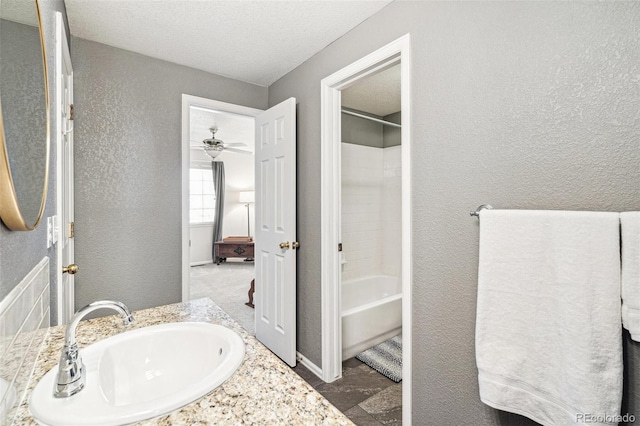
[141, 374]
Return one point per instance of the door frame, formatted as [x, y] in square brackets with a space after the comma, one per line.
[65, 298]
[397, 51]
[189, 101]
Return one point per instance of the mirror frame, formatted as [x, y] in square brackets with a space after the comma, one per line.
[10, 212]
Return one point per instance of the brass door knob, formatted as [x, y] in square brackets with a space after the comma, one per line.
[295, 245]
[71, 269]
[285, 245]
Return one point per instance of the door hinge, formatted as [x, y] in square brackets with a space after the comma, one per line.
[71, 229]
[71, 112]
[339, 246]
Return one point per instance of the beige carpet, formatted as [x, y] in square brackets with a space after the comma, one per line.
[227, 285]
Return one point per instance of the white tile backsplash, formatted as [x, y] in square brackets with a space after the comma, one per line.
[371, 210]
[24, 320]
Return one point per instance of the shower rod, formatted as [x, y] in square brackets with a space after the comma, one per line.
[377, 120]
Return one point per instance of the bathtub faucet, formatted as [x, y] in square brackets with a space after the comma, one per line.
[71, 371]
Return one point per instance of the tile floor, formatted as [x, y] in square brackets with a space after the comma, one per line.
[367, 397]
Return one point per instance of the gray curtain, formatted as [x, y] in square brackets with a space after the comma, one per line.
[217, 167]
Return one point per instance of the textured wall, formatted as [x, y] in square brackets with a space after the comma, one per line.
[21, 251]
[519, 104]
[128, 170]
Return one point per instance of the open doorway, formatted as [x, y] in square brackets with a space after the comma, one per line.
[366, 231]
[275, 244]
[218, 209]
[370, 212]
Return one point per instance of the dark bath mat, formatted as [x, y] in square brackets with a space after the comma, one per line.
[385, 358]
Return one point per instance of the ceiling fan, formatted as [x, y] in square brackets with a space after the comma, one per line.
[214, 147]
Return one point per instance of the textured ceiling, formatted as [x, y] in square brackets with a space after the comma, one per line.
[256, 41]
[377, 94]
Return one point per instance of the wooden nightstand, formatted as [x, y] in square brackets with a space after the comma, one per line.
[237, 249]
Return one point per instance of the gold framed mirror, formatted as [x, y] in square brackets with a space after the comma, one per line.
[24, 115]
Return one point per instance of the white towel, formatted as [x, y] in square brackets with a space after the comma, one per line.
[548, 329]
[631, 273]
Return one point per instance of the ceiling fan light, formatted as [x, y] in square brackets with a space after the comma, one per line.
[213, 150]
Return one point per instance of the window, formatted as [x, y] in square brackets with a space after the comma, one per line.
[201, 196]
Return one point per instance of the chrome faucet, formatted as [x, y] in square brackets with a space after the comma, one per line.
[71, 371]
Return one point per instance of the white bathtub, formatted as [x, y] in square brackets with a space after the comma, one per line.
[371, 312]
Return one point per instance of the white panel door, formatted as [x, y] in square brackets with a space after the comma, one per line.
[275, 235]
[66, 290]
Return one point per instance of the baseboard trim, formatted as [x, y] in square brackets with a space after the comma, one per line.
[310, 365]
[201, 262]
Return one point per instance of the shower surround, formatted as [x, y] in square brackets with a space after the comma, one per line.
[371, 238]
[371, 211]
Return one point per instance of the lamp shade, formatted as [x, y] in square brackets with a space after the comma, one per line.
[247, 196]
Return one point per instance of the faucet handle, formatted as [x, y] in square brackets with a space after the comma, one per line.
[71, 377]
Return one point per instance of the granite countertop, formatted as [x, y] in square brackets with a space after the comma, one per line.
[263, 391]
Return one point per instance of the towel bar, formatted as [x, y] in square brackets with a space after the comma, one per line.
[476, 213]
